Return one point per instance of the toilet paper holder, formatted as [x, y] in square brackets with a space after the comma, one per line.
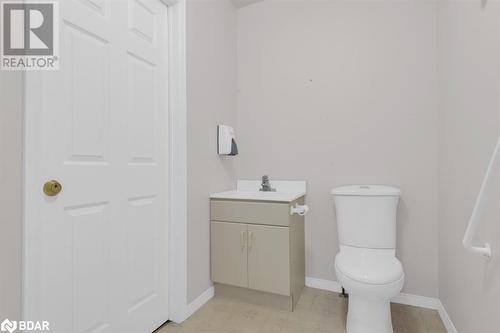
[299, 209]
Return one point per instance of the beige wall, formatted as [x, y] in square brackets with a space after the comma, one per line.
[335, 93]
[211, 82]
[11, 141]
[469, 286]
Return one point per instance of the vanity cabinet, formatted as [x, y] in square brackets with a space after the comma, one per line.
[258, 247]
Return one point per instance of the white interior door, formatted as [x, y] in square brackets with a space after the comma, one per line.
[96, 254]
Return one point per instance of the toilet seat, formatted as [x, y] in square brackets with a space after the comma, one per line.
[370, 291]
[369, 266]
[374, 274]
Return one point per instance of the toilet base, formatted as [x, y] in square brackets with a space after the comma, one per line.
[367, 315]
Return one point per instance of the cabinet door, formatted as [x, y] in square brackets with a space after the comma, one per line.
[229, 253]
[269, 259]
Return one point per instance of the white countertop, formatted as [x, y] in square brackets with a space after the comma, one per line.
[286, 191]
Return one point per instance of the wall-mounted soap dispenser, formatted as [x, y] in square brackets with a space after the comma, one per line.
[226, 144]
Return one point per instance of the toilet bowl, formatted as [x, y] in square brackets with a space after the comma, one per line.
[366, 265]
[372, 278]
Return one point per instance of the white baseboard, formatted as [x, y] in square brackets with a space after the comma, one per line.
[417, 300]
[323, 284]
[200, 301]
[446, 319]
[407, 299]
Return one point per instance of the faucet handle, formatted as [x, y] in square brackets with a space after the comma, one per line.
[266, 186]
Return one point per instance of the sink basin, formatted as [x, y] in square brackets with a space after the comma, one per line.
[286, 191]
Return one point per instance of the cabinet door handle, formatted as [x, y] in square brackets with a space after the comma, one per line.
[243, 239]
[250, 239]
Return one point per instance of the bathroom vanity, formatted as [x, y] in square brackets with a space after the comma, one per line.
[257, 243]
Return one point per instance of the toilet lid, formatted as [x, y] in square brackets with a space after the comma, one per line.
[370, 266]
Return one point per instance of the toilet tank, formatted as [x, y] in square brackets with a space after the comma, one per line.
[366, 215]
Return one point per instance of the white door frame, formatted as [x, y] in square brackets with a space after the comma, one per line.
[177, 265]
[178, 159]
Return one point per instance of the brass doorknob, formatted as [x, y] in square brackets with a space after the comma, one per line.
[52, 188]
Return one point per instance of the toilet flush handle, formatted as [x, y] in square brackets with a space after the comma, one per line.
[299, 209]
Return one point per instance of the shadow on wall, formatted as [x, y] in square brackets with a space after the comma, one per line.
[402, 222]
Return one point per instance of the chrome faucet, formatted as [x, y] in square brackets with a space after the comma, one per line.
[266, 187]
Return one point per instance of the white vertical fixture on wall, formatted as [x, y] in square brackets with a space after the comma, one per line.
[479, 207]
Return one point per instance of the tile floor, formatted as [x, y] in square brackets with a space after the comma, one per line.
[317, 311]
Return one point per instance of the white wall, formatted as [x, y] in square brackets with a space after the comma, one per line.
[211, 89]
[336, 93]
[11, 142]
[469, 286]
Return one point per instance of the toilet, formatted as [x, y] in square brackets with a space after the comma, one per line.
[366, 265]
